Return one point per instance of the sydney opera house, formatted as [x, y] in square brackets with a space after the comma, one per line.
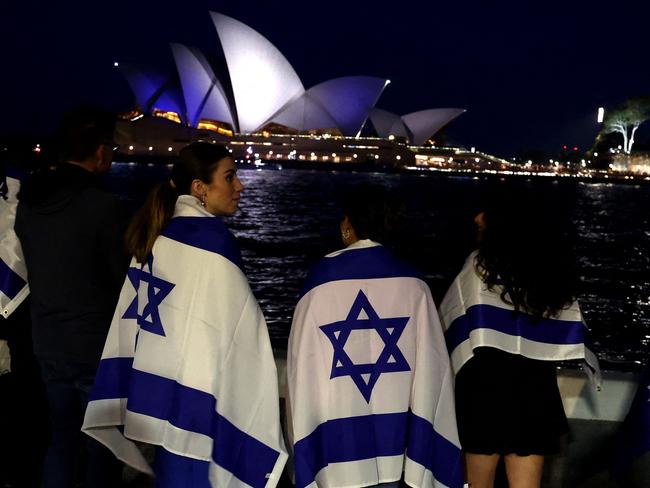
[254, 99]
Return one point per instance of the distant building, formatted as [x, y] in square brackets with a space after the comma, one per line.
[260, 92]
[416, 127]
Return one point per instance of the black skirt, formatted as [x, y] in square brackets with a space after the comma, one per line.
[509, 404]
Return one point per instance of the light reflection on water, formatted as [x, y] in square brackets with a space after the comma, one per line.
[289, 219]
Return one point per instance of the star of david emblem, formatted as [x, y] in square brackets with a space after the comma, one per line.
[157, 290]
[363, 317]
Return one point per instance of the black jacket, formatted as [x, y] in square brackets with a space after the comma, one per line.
[71, 234]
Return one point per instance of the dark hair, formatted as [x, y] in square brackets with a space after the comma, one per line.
[373, 212]
[82, 130]
[526, 247]
[198, 160]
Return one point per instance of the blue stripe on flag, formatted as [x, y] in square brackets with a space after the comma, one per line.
[207, 233]
[370, 436]
[189, 409]
[162, 398]
[358, 264]
[550, 331]
[174, 471]
[434, 452]
[10, 282]
[112, 379]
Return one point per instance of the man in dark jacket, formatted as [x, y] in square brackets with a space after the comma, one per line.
[69, 229]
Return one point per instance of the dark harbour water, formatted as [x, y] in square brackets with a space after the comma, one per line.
[289, 219]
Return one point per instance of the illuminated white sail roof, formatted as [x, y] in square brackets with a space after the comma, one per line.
[342, 103]
[264, 89]
[203, 93]
[153, 89]
[425, 123]
[416, 126]
[262, 79]
[304, 114]
[388, 124]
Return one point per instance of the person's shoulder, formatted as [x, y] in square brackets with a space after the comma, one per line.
[99, 205]
[376, 262]
[324, 263]
[205, 233]
[99, 197]
[36, 185]
[469, 269]
[373, 260]
[98, 194]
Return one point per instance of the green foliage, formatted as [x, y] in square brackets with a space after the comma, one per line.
[624, 120]
[633, 112]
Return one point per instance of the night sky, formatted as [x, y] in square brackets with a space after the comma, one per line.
[530, 74]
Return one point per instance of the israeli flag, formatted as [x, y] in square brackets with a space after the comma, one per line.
[474, 316]
[188, 364]
[370, 385]
[13, 273]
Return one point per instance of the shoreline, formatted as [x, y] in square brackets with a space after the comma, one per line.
[384, 168]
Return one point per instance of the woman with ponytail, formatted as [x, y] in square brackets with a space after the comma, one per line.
[188, 365]
[205, 174]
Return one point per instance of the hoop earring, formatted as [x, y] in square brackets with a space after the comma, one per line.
[345, 234]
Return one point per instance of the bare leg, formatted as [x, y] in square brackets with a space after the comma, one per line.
[481, 469]
[524, 471]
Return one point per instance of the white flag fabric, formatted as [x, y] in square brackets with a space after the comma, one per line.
[188, 363]
[13, 273]
[369, 378]
[474, 316]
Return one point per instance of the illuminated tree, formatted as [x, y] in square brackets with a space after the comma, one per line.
[626, 119]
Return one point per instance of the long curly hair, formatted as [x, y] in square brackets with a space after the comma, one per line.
[526, 249]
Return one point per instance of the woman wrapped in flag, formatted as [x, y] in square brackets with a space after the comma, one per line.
[187, 364]
[13, 272]
[370, 385]
[509, 315]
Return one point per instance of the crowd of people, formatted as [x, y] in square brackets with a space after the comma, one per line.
[172, 350]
